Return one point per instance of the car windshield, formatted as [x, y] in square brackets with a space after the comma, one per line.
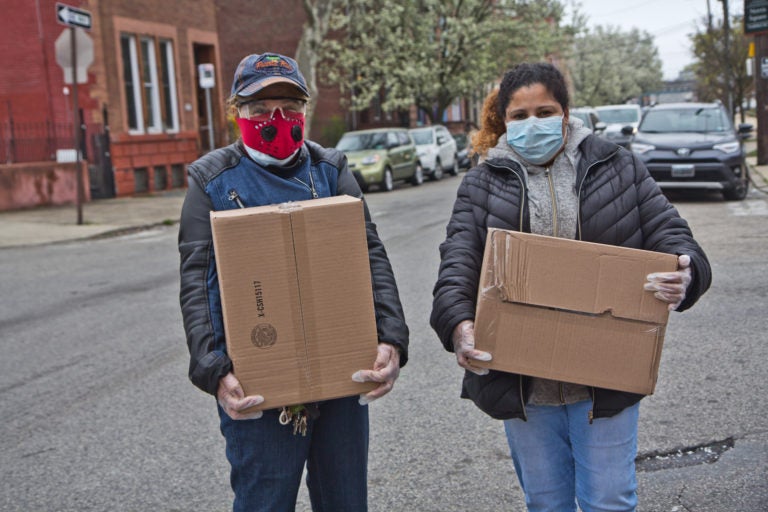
[619, 115]
[361, 141]
[422, 137]
[695, 120]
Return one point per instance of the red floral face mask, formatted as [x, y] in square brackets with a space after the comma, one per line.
[278, 135]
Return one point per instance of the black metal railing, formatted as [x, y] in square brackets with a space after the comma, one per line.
[38, 141]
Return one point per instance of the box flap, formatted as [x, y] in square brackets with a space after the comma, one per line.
[573, 276]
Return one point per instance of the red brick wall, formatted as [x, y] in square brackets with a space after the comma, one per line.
[31, 82]
[151, 154]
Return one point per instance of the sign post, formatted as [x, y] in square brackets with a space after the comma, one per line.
[76, 19]
[207, 82]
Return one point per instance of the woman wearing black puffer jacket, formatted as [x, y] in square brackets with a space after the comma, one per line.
[549, 175]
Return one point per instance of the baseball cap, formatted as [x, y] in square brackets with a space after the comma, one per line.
[255, 72]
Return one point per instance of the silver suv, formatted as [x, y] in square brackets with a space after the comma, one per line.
[436, 149]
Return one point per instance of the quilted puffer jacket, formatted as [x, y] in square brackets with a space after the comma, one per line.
[226, 179]
[619, 204]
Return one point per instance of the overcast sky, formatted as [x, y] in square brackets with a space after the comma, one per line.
[668, 21]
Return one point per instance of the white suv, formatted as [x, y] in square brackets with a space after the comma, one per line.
[436, 149]
[616, 117]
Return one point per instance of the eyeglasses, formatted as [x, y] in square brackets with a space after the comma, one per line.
[263, 110]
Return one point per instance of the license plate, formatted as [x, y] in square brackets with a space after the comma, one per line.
[683, 171]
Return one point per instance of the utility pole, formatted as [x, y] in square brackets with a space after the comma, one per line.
[727, 47]
[761, 94]
[756, 24]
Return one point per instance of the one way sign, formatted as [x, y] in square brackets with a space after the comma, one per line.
[72, 16]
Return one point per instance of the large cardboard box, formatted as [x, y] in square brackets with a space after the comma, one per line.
[571, 311]
[296, 294]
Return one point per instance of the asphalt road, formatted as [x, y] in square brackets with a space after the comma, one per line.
[98, 414]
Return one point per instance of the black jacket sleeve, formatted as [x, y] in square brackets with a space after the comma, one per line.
[207, 365]
[461, 259]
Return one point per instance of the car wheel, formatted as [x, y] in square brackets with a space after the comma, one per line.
[418, 175]
[387, 183]
[454, 171]
[738, 192]
[437, 174]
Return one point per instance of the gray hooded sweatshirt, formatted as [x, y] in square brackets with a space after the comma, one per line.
[554, 207]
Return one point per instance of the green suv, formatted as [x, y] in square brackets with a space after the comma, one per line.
[382, 156]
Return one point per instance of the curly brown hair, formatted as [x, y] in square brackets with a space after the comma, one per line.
[491, 125]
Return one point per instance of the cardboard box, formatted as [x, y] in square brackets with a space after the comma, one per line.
[296, 293]
[571, 311]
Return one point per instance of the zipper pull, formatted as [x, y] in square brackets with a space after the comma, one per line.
[312, 185]
[234, 196]
[591, 416]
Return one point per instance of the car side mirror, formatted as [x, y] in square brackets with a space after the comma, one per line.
[600, 126]
[745, 131]
[627, 130]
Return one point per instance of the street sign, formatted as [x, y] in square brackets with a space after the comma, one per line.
[206, 79]
[72, 16]
[755, 16]
[83, 54]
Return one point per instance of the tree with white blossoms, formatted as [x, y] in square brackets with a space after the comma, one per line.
[308, 51]
[432, 52]
[608, 66]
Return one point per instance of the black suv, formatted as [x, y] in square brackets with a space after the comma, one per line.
[693, 146]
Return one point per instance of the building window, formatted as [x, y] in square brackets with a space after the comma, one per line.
[168, 83]
[150, 84]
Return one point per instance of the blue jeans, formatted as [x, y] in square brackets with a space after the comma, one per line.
[267, 460]
[559, 458]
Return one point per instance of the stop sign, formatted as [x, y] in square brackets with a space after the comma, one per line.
[83, 50]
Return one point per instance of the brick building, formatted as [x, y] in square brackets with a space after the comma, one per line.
[142, 84]
[145, 113]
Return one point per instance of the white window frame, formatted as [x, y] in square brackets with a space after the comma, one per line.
[173, 123]
[138, 102]
[152, 87]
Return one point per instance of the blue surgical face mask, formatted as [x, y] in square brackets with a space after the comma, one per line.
[536, 139]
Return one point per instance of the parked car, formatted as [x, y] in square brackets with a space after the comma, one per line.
[616, 118]
[590, 118]
[462, 150]
[694, 146]
[381, 157]
[436, 149]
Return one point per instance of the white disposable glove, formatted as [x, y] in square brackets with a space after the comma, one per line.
[670, 287]
[464, 347]
[233, 400]
[386, 369]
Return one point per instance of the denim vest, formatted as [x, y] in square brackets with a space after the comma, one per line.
[248, 184]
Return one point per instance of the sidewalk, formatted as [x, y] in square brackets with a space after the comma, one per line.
[103, 217]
